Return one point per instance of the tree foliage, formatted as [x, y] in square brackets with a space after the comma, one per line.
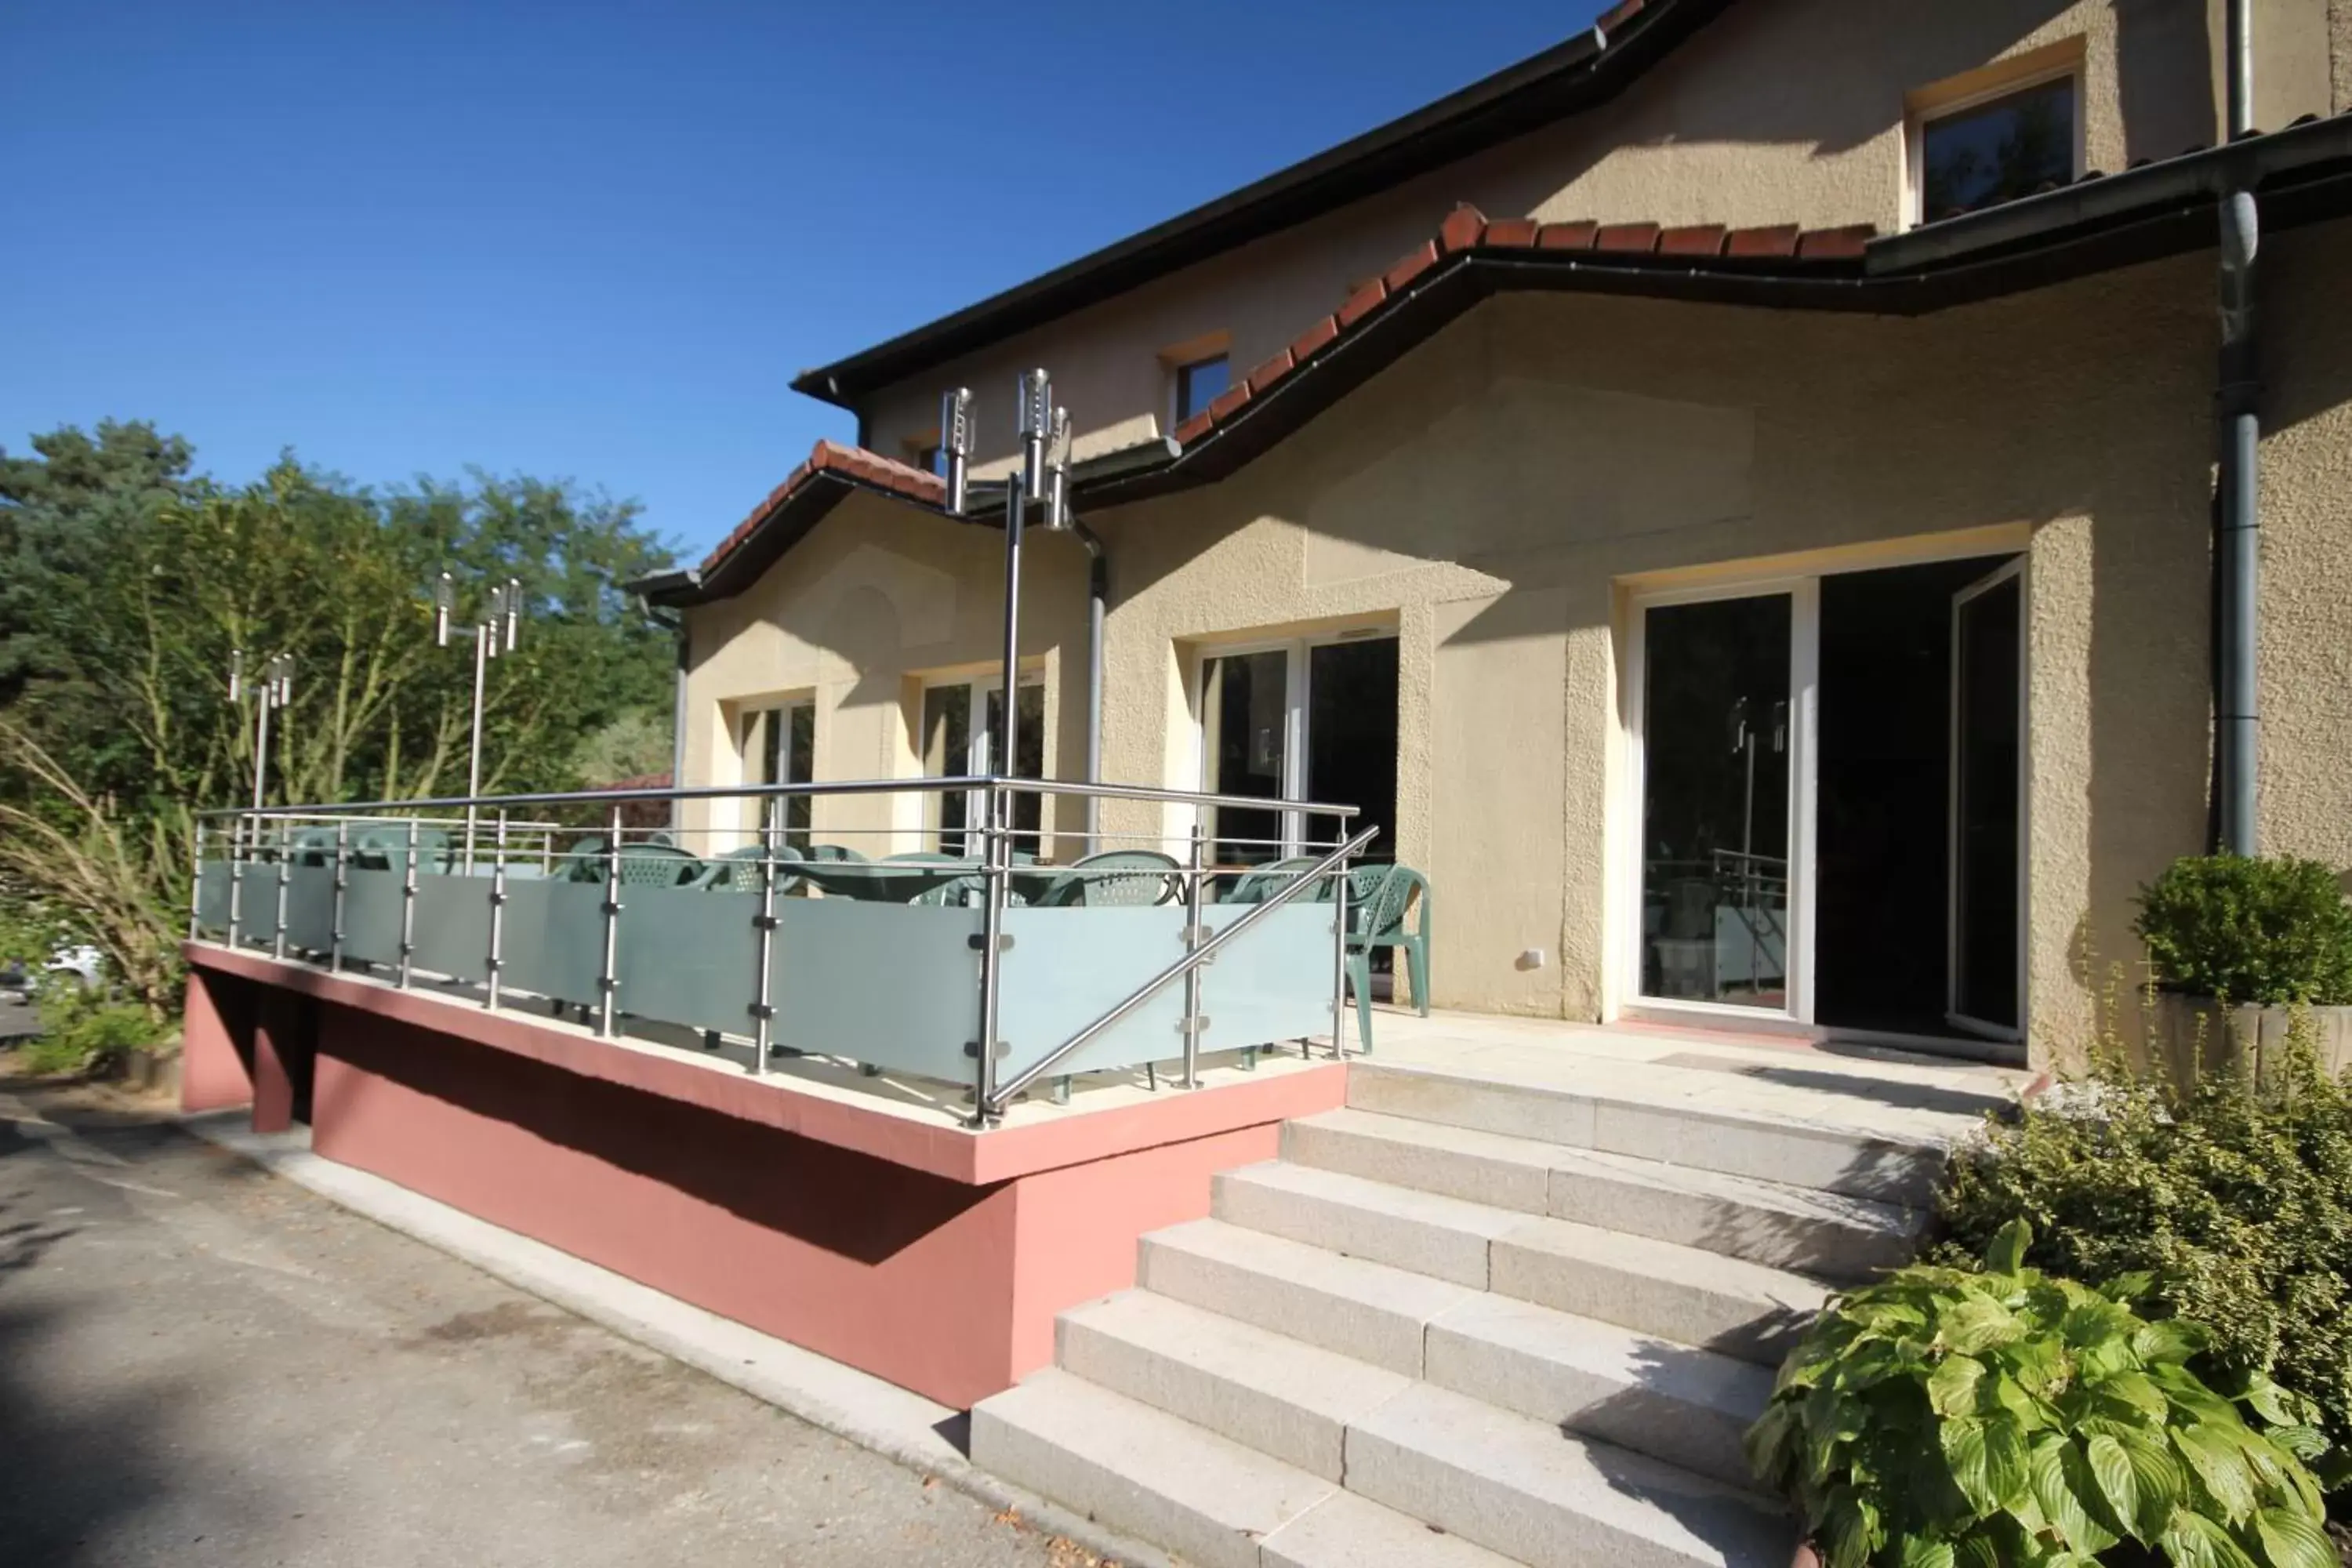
[127, 582]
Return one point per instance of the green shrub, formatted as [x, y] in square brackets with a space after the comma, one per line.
[2234, 1199]
[2263, 930]
[1999, 1417]
[82, 1029]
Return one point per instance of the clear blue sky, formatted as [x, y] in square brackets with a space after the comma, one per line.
[577, 238]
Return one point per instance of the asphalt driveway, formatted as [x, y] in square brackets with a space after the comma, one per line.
[202, 1365]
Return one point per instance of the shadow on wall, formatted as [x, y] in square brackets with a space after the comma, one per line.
[852, 1205]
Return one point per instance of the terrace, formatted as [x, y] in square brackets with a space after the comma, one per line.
[739, 1061]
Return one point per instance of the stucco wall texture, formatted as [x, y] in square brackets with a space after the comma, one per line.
[1500, 495]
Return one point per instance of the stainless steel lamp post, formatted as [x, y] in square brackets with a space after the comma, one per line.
[495, 633]
[1042, 476]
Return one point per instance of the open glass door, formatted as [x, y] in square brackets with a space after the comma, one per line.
[1720, 749]
[1987, 879]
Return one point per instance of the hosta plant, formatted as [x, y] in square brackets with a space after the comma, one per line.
[1996, 1418]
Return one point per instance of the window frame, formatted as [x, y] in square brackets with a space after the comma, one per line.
[764, 719]
[977, 686]
[1929, 105]
[1297, 673]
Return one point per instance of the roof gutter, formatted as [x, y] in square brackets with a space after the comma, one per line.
[2191, 180]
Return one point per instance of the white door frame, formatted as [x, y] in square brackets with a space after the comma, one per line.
[1804, 662]
[1952, 1014]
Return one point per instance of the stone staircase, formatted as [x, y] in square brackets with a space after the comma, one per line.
[1468, 1321]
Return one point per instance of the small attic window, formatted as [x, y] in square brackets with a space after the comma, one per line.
[1996, 149]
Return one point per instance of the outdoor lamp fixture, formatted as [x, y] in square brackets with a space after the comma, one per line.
[496, 633]
[1040, 474]
[276, 690]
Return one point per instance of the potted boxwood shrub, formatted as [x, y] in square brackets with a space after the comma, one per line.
[2241, 946]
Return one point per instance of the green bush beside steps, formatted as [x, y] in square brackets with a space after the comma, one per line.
[1998, 1417]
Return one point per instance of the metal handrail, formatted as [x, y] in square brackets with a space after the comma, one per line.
[1182, 967]
[924, 785]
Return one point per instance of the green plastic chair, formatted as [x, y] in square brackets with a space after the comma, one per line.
[822, 853]
[657, 866]
[312, 847]
[1260, 883]
[738, 870]
[1378, 897]
[1115, 879]
[386, 849]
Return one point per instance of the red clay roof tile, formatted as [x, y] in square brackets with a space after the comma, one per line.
[1627, 237]
[1568, 235]
[1780, 239]
[1311, 342]
[1411, 265]
[1834, 244]
[1694, 239]
[1269, 372]
[1462, 230]
[1511, 233]
[1227, 403]
[1362, 303]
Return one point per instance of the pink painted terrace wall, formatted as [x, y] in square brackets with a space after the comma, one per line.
[925, 1254]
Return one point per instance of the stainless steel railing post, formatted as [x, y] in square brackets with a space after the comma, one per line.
[1339, 961]
[342, 882]
[1193, 1024]
[608, 979]
[764, 1011]
[497, 914]
[285, 870]
[196, 885]
[994, 876]
[409, 909]
[236, 878]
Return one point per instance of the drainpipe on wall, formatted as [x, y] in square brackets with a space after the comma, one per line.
[2237, 543]
[1098, 608]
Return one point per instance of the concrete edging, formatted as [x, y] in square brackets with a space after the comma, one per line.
[898, 1424]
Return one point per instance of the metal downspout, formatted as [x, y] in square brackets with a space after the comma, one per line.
[2237, 543]
[1098, 611]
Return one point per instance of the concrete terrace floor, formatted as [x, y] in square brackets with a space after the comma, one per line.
[202, 1365]
[1883, 1092]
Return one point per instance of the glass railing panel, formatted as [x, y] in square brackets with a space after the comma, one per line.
[552, 940]
[453, 925]
[1066, 967]
[372, 901]
[1271, 982]
[310, 908]
[689, 956]
[895, 986]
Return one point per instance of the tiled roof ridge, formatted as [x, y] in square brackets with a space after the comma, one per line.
[853, 464]
[1466, 229]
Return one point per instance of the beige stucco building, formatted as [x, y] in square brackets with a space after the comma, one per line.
[1770, 625]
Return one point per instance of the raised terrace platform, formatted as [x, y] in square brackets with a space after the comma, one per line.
[850, 1214]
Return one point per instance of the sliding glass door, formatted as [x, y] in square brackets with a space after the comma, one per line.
[1723, 689]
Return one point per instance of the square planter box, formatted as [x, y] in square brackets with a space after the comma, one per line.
[2195, 1035]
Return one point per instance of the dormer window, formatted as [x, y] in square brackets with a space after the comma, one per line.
[1200, 383]
[1996, 147]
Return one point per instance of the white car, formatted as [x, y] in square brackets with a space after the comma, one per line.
[82, 960]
